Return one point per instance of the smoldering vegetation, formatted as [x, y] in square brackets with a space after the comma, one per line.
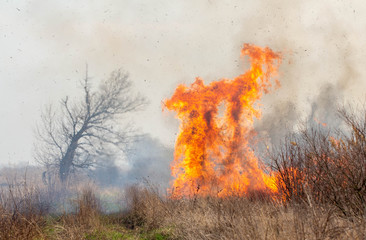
[319, 172]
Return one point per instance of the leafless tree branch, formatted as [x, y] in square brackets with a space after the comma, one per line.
[73, 136]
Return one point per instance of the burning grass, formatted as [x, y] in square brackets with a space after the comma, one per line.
[212, 153]
[327, 165]
[320, 175]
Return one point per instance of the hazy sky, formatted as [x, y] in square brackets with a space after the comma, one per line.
[44, 46]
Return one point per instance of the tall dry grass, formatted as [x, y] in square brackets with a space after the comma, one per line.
[22, 211]
[30, 209]
[326, 165]
[321, 176]
[240, 218]
[24, 216]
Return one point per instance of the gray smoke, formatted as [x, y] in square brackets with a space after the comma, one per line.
[275, 124]
[150, 160]
[147, 160]
[164, 43]
[322, 64]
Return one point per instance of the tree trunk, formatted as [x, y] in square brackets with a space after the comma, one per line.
[66, 162]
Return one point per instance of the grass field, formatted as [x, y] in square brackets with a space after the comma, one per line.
[26, 213]
[320, 174]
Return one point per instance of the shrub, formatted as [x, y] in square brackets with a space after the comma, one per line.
[327, 165]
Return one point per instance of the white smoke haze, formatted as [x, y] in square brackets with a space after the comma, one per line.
[148, 160]
[45, 46]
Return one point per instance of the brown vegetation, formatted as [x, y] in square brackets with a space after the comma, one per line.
[320, 172]
[150, 216]
[21, 212]
[328, 166]
[241, 218]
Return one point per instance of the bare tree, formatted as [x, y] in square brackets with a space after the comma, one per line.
[75, 134]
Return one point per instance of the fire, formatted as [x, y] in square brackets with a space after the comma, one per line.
[319, 122]
[212, 153]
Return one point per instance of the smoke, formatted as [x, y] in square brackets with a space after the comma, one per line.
[332, 95]
[275, 124]
[321, 66]
[150, 161]
[107, 172]
[324, 107]
[165, 43]
[147, 160]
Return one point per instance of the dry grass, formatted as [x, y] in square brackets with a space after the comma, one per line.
[240, 218]
[150, 216]
[326, 165]
[84, 219]
[22, 212]
[322, 195]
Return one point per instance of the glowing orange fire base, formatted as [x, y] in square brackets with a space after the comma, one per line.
[212, 153]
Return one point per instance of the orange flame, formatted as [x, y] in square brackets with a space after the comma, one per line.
[319, 122]
[212, 153]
